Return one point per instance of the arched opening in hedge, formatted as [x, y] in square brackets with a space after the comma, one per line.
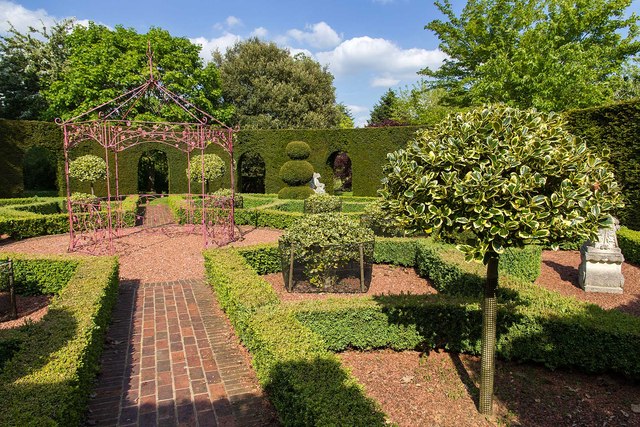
[251, 173]
[39, 170]
[340, 163]
[153, 172]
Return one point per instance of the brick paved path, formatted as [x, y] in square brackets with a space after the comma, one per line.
[171, 359]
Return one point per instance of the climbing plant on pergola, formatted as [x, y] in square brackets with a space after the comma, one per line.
[110, 126]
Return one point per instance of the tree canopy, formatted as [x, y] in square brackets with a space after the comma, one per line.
[104, 63]
[549, 54]
[28, 63]
[382, 111]
[270, 89]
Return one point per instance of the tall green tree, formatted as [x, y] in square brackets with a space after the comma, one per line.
[383, 110]
[549, 54]
[103, 63]
[29, 62]
[270, 89]
[507, 178]
[345, 118]
[420, 105]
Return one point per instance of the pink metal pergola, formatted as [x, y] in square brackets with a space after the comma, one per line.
[93, 222]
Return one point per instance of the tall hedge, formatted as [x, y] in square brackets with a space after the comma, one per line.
[16, 138]
[616, 127]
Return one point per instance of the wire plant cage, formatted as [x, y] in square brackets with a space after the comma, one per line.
[338, 268]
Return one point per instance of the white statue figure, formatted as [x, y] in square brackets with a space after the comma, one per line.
[316, 185]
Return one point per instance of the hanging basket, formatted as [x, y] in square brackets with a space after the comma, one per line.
[339, 268]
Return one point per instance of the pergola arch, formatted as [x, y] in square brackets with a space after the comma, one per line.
[109, 126]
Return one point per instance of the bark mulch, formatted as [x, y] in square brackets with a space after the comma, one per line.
[441, 389]
[559, 272]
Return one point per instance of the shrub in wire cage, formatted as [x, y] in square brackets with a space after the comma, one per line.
[322, 203]
[327, 252]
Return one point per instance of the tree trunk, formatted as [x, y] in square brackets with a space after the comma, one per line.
[487, 371]
[92, 193]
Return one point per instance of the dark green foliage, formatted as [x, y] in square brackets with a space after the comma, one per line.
[397, 251]
[367, 148]
[299, 192]
[615, 127]
[264, 259]
[22, 228]
[16, 139]
[296, 172]
[629, 242]
[41, 276]
[305, 382]
[522, 263]
[39, 169]
[47, 381]
[298, 150]
[383, 110]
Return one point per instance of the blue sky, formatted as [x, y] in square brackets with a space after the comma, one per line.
[368, 45]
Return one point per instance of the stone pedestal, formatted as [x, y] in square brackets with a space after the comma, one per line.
[601, 270]
[601, 263]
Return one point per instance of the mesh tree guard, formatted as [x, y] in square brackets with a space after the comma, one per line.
[94, 225]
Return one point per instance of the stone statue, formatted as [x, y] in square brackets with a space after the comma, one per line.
[316, 185]
[601, 262]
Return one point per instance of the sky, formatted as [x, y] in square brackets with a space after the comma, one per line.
[368, 45]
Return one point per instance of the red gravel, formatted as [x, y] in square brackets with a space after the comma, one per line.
[441, 389]
[559, 272]
[386, 280]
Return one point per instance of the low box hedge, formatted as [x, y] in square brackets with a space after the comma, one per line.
[629, 242]
[24, 222]
[305, 382]
[49, 367]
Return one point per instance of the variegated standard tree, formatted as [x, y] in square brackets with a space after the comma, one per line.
[88, 168]
[511, 178]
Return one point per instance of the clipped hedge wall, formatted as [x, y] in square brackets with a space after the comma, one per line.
[305, 382]
[367, 148]
[629, 242]
[48, 375]
[616, 127]
[41, 276]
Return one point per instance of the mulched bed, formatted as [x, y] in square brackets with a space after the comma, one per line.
[559, 272]
[386, 280]
[441, 389]
[30, 308]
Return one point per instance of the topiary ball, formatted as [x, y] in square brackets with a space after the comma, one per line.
[298, 150]
[296, 172]
[299, 192]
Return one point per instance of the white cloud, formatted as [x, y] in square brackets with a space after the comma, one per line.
[232, 21]
[294, 51]
[384, 81]
[380, 56]
[221, 43]
[260, 33]
[22, 18]
[320, 36]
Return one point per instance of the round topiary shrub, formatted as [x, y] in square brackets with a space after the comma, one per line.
[322, 203]
[329, 252]
[297, 172]
[213, 168]
[297, 193]
[298, 150]
[89, 169]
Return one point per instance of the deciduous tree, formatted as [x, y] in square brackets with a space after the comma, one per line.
[270, 89]
[549, 54]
